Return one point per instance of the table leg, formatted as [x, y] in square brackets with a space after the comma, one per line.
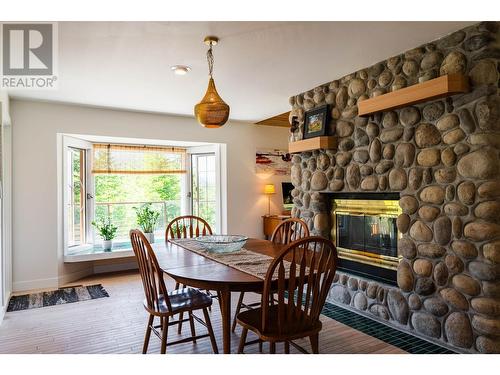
[225, 307]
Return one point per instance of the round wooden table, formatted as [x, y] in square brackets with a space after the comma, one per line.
[190, 268]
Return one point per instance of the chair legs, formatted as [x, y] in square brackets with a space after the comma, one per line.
[314, 343]
[148, 334]
[191, 323]
[210, 331]
[181, 315]
[164, 334]
[238, 308]
[272, 347]
[287, 347]
[243, 339]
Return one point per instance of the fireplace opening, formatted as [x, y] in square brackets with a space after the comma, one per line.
[365, 233]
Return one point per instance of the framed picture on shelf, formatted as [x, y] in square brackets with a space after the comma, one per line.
[316, 122]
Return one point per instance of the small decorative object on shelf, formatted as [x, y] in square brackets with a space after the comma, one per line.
[316, 122]
[294, 127]
[221, 243]
[107, 231]
[147, 218]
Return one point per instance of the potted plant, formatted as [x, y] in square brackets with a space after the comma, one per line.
[147, 218]
[107, 231]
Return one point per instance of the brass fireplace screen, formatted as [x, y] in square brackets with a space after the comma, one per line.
[365, 231]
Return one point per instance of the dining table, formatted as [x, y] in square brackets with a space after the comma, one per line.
[195, 270]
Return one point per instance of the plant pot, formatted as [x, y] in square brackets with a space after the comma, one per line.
[107, 245]
[150, 237]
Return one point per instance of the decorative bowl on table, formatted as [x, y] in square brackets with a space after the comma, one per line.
[222, 243]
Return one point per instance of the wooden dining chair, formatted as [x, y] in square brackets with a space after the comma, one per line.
[187, 226]
[301, 277]
[163, 304]
[286, 232]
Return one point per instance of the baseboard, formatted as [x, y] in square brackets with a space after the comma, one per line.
[103, 268]
[20, 286]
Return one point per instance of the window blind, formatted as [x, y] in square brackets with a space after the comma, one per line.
[134, 159]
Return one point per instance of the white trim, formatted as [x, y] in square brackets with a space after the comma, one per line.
[3, 310]
[67, 142]
[125, 253]
[219, 150]
[6, 205]
[21, 286]
[222, 164]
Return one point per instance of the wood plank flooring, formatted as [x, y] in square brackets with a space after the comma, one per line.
[117, 325]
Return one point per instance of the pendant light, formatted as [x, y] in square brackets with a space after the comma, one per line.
[212, 111]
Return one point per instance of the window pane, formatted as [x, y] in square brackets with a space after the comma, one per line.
[117, 195]
[204, 187]
[76, 209]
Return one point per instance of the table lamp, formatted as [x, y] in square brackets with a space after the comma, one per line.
[268, 190]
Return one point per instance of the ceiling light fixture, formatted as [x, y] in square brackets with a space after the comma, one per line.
[180, 70]
[212, 111]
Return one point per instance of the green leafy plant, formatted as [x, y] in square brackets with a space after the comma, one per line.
[105, 228]
[147, 217]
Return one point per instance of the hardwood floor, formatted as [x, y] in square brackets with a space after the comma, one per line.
[117, 325]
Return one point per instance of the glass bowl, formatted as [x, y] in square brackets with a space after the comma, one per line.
[221, 243]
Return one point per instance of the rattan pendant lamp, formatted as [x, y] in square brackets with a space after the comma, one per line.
[212, 111]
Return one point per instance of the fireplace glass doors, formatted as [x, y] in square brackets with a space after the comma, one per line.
[365, 232]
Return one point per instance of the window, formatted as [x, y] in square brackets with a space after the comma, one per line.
[203, 177]
[103, 180]
[77, 197]
[117, 195]
[128, 176]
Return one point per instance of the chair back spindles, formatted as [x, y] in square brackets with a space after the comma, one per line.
[151, 273]
[187, 227]
[301, 277]
[289, 230]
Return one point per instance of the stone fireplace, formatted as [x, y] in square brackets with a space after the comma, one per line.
[440, 160]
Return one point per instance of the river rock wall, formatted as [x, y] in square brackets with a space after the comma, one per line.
[443, 157]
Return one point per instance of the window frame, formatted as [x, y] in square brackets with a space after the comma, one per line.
[75, 143]
[213, 149]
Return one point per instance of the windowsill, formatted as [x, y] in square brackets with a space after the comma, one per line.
[87, 253]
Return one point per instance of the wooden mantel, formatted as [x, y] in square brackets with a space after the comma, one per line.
[317, 143]
[429, 90]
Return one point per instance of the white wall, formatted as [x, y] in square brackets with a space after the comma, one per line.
[36, 261]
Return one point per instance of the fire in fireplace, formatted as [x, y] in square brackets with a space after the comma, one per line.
[365, 233]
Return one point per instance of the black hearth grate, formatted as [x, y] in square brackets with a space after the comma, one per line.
[402, 340]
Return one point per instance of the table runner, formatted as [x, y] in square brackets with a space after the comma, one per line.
[243, 260]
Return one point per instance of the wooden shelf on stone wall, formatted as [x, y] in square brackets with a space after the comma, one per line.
[436, 88]
[326, 142]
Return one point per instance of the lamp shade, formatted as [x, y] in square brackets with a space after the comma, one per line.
[212, 111]
[269, 189]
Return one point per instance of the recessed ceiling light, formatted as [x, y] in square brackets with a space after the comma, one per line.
[180, 70]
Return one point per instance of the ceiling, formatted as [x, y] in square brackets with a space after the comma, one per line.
[258, 65]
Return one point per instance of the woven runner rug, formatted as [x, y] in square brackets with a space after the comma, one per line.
[244, 260]
[56, 297]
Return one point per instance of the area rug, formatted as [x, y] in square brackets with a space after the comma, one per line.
[57, 297]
